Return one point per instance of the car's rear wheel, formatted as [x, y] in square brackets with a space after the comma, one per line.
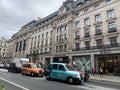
[32, 74]
[70, 80]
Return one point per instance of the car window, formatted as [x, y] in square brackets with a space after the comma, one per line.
[54, 67]
[61, 68]
[33, 65]
[18, 64]
[69, 68]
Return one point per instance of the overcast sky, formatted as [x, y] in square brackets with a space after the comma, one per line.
[16, 13]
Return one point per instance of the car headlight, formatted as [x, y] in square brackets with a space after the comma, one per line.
[77, 75]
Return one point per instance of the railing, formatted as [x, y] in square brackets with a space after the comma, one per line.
[97, 47]
[112, 30]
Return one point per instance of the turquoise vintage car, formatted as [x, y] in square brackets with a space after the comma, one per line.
[62, 71]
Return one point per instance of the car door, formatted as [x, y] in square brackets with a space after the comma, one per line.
[53, 73]
[62, 73]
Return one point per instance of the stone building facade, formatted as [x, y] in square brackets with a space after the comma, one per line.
[84, 32]
[2, 48]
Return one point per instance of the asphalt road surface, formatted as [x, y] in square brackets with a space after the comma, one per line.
[21, 82]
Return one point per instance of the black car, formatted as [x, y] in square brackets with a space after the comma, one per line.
[15, 67]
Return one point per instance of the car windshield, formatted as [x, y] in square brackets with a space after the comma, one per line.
[33, 66]
[69, 68]
[18, 64]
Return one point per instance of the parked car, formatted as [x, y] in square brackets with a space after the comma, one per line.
[15, 67]
[32, 69]
[65, 72]
[77, 68]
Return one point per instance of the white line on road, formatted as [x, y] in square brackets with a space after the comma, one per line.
[15, 84]
[93, 87]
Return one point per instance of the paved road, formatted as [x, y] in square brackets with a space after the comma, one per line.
[36, 83]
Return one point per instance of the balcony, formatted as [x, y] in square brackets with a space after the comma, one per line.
[98, 32]
[43, 53]
[87, 35]
[77, 37]
[117, 45]
[112, 30]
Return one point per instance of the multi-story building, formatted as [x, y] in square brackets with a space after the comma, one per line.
[85, 32]
[2, 48]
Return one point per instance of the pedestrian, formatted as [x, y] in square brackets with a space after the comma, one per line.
[101, 72]
[94, 71]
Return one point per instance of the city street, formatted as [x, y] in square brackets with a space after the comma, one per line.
[22, 82]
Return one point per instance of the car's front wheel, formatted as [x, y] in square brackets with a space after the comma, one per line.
[70, 80]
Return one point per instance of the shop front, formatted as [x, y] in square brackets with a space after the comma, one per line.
[84, 62]
[110, 63]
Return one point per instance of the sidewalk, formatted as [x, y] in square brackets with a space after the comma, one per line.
[106, 78]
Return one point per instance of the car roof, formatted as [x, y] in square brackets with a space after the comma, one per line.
[59, 63]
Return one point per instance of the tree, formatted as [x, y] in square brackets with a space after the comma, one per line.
[34, 56]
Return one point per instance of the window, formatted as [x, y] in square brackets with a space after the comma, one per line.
[16, 47]
[60, 48]
[24, 44]
[45, 49]
[98, 29]
[87, 45]
[38, 37]
[61, 68]
[111, 14]
[20, 46]
[97, 18]
[62, 28]
[111, 26]
[46, 34]
[56, 49]
[87, 32]
[42, 35]
[99, 43]
[77, 24]
[77, 45]
[108, 1]
[65, 36]
[86, 21]
[54, 67]
[51, 33]
[61, 37]
[86, 10]
[113, 41]
[65, 48]
[77, 34]
[96, 6]
[77, 14]
[46, 42]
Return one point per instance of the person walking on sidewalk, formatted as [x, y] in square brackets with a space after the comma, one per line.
[94, 71]
[101, 72]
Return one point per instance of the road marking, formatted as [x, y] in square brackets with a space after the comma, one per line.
[3, 70]
[93, 87]
[15, 84]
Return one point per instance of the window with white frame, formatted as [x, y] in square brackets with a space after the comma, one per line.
[109, 1]
[111, 14]
[86, 21]
[97, 18]
[96, 6]
[77, 24]
[112, 26]
[113, 41]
